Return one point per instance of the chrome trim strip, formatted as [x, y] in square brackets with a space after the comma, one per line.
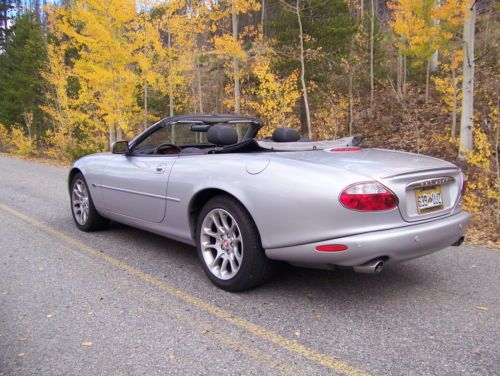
[444, 170]
[137, 193]
[430, 182]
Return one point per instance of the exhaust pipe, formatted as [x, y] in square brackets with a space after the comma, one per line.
[459, 242]
[372, 267]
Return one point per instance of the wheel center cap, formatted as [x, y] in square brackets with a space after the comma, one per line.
[226, 243]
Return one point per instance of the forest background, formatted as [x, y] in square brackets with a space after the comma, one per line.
[415, 75]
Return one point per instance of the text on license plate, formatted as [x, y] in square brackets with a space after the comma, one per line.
[429, 199]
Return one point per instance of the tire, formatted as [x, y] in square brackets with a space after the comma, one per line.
[247, 265]
[83, 210]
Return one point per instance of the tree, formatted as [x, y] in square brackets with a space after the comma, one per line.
[297, 10]
[327, 33]
[6, 8]
[467, 118]
[102, 33]
[21, 85]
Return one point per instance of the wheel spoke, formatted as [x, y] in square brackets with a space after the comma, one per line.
[223, 267]
[209, 232]
[216, 259]
[224, 222]
[232, 260]
[216, 221]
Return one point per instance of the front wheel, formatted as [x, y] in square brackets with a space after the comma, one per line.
[82, 207]
[229, 246]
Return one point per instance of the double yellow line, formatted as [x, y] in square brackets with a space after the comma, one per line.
[319, 358]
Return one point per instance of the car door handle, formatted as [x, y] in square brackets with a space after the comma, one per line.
[160, 169]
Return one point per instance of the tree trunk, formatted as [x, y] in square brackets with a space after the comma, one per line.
[263, 17]
[112, 135]
[351, 104]
[170, 86]
[404, 76]
[399, 75]
[454, 112]
[372, 37]
[467, 118]
[303, 72]
[434, 62]
[119, 135]
[236, 64]
[198, 76]
[145, 104]
[427, 75]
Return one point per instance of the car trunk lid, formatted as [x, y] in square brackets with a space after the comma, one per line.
[412, 177]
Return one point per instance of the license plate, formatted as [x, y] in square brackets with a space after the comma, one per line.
[429, 199]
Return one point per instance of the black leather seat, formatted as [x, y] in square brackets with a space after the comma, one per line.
[285, 135]
[222, 135]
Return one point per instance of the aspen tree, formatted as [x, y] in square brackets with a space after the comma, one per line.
[467, 117]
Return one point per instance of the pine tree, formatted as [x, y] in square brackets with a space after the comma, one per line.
[6, 8]
[21, 85]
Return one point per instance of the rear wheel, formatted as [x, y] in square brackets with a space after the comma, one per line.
[84, 212]
[229, 246]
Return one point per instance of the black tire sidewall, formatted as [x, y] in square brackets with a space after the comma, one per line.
[253, 261]
[94, 221]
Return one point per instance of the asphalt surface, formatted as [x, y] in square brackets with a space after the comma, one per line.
[126, 302]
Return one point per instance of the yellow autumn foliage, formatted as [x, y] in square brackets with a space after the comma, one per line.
[20, 143]
[272, 99]
[4, 137]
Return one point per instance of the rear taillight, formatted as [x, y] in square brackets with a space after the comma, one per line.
[368, 196]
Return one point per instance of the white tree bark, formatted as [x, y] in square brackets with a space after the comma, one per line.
[467, 118]
[454, 112]
[434, 61]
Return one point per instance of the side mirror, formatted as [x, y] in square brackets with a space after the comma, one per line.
[120, 147]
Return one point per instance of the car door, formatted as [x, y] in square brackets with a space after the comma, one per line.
[135, 185]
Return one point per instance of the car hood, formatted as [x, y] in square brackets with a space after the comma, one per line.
[373, 163]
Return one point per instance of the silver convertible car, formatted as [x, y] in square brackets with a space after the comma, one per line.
[244, 202]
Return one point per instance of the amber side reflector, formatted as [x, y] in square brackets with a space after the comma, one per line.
[331, 248]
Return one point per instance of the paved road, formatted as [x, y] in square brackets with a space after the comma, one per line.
[126, 302]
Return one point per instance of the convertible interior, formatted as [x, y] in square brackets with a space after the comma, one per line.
[206, 139]
[213, 134]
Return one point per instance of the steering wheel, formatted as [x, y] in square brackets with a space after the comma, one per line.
[167, 149]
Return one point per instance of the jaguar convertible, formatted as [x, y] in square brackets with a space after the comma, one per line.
[247, 201]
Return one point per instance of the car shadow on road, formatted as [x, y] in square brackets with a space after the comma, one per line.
[393, 280]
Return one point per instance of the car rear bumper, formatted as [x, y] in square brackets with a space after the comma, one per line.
[395, 245]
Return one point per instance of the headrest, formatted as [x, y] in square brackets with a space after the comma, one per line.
[285, 135]
[222, 135]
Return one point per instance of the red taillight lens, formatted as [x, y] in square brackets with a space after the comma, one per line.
[331, 248]
[368, 196]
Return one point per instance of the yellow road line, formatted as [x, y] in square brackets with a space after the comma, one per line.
[317, 357]
[228, 340]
